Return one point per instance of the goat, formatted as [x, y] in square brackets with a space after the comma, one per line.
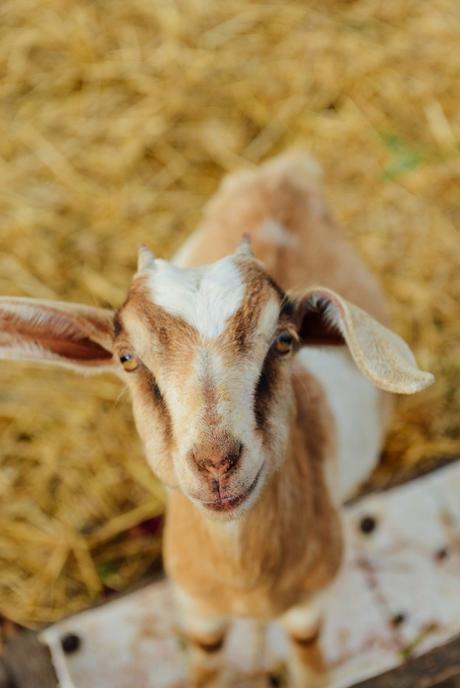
[261, 408]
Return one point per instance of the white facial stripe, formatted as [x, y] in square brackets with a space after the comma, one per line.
[204, 297]
[231, 384]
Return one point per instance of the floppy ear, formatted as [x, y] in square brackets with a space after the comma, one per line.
[71, 335]
[325, 318]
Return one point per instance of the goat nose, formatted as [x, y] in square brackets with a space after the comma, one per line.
[217, 463]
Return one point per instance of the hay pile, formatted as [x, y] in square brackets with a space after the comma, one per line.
[118, 120]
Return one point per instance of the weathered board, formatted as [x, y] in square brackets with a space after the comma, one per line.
[27, 664]
[439, 668]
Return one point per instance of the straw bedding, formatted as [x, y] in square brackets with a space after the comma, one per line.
[118, 119]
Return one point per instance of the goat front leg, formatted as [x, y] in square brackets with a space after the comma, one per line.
[306, 665]
[204, 635]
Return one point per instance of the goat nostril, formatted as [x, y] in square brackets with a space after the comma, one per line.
[220, 464]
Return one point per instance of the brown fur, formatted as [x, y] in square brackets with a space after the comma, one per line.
[289, 545]
[166, 345]
[237, 334]
[76, 333]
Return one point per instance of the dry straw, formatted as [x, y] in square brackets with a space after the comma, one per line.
[118, 118]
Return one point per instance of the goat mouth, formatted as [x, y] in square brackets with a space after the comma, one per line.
[231, 503]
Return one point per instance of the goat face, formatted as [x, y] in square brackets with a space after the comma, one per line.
[206, 352]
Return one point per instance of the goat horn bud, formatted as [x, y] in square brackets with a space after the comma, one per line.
[244, 247]
[145, 259]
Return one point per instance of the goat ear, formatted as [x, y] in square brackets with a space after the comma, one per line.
[325, 318]
[71, 335]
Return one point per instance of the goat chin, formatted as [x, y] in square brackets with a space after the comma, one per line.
[232, 506]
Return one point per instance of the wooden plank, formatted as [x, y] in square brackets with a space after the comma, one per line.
[439, 668]
[4, 678]
[26, 663]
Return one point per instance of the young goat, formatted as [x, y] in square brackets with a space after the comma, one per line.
[258, 407]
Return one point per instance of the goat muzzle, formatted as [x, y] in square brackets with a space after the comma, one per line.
[217, 461]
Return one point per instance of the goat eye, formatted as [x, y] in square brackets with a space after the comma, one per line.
[284, 343]
[128, 361]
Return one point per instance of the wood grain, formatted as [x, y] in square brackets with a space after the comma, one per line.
[439, 668]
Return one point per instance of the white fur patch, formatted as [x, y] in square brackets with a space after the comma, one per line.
[205, 297]
[192, 618]
[304, 618]
[273, 232]
[354, 402]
